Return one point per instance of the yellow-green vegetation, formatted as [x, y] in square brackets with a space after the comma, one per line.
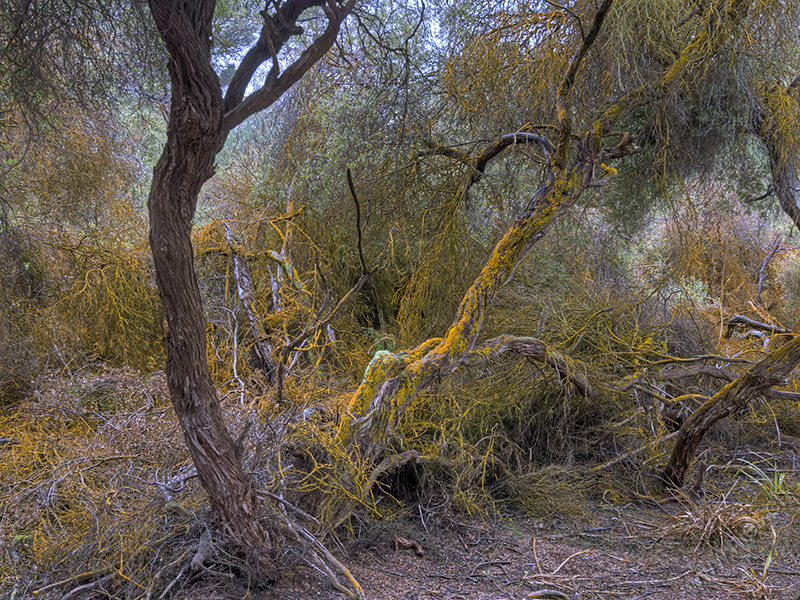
[496, 259]
[96, 485]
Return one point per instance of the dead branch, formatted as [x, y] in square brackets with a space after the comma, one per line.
[734, 396]
[89, 587]
[322, 559]
[529, 347]
[74, 579]
[352, 188]
[262, 349]
[748, 322]
[762, 272]
[203, 550]
[687, 368]
[321, 321]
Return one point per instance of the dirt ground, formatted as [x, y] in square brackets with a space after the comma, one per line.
[641, 550]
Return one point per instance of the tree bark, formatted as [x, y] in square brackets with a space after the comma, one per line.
[193, 137]
[734, 396]
[772, 120]
[199, 122]
[393, 381]
[177, 179]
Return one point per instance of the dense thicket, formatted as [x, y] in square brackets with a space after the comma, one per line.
[451, 244]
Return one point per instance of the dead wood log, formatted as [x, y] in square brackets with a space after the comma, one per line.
[748, 322]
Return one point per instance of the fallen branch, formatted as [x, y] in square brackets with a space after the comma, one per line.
[74, 579]
[89, 587]
[321, 558]
[748, 322]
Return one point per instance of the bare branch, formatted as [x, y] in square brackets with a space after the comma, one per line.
[537, 350]
[364, 269]
[748, 322]
[273, 36]
[567, 83]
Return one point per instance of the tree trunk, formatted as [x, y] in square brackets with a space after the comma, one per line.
[194, 135]
[734, 396]
[392, 381]
[199, 122]
[187, 162]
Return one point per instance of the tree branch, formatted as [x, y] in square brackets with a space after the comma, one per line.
[567, 83]
[734, 396]
[748, 322]
[273, 37]
[529, 347]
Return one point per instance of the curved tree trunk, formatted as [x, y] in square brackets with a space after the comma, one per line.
[774, 120]
[199, 122]
[176, 182]
[393, 381]
[734, 396]
[194, 135]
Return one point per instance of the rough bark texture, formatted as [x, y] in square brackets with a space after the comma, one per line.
[781, 143]
[193, 137]
[199, 123]
[734, 396]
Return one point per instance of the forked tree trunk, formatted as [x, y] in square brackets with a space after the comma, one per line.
[199, 122]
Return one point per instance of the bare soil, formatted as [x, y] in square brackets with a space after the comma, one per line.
[638, 551]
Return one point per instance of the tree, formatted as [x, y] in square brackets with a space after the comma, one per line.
[573, 164]
[200, 119]
[573, 118]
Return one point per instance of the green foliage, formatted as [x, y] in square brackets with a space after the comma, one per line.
[774, 486]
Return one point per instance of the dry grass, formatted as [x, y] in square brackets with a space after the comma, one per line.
[93, 488]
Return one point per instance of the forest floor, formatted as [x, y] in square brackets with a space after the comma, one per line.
[84, 487]
[639, 550]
